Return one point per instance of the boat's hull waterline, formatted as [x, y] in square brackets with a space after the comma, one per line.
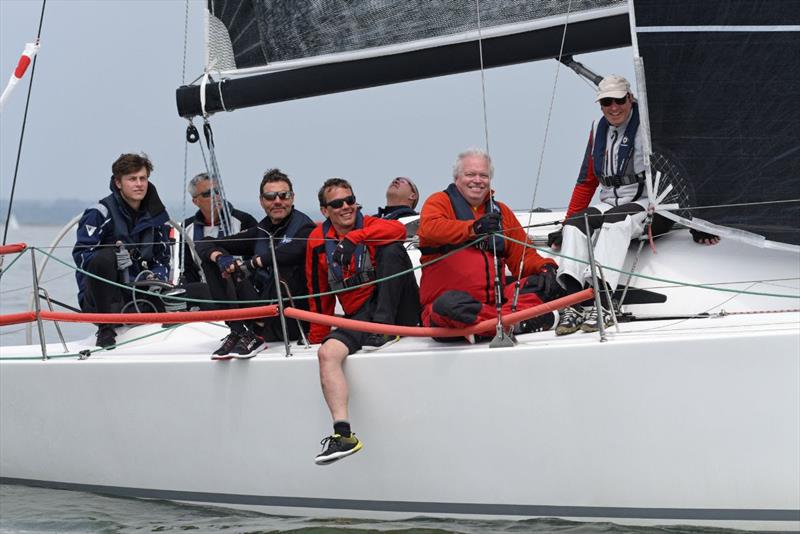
[669, 422]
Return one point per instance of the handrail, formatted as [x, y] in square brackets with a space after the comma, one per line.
[12, 248]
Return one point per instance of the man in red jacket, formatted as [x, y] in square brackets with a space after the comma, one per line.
[345, 252]
[459, 289]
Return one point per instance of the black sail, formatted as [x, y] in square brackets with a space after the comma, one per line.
[723, 90]
[291, 49]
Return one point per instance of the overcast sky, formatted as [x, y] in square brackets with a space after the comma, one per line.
[105, 84]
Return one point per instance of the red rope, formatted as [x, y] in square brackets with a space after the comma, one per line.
[423, 331]
[164, 318]
[17, 318]
[13, 248]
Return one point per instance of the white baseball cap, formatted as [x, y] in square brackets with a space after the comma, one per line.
[613, 86]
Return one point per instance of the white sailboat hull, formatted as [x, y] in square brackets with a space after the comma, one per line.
[668, 422]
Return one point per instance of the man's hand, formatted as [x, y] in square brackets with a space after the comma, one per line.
[545, 284]
[226, 264]
[703, 238]
[554, 239]
[123, 258]
[487, 224]
[344, 252]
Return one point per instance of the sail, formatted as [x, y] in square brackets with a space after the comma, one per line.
[288, 49]
[723, 91]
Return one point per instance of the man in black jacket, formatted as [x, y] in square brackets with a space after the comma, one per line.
[254, 279]
[207, 222]
[402, 197]
[122, 237]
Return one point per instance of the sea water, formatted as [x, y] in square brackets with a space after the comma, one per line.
[32, 510]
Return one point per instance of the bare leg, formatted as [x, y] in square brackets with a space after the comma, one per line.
[331, 356]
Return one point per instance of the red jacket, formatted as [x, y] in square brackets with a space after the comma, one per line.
[471, 270]
[376, 232]
[587, 182]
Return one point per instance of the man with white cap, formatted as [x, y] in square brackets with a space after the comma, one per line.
[614, 162]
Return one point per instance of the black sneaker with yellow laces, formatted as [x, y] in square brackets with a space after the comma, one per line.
[336, 447]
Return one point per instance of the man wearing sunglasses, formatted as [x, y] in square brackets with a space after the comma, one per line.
[254, 278]
[614, 163]
[207, 221]
[344, 253]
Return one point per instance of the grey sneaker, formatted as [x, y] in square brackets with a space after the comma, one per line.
[592, 321]
[569, 321]
[337, 447]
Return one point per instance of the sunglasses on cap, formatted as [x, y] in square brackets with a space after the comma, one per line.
[607, 101]
[207, 194]
[339, 202]
[272, 195]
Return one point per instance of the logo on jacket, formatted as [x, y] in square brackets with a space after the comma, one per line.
[90, 229]
[286, 240]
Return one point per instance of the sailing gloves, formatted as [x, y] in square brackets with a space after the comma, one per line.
[487, 224]
[545, 284]
[343, 252]
[703, 238]
[554, 239]
[123, 257]
[224, 262]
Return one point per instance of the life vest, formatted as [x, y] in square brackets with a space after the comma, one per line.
[364, 271]
[464, 212]
[140, 243]
[283, 235]
[624, 174]
[396, 213]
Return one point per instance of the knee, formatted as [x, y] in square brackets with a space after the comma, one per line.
[458, 305]
[595, 220]
[102, 262]
[331, 352]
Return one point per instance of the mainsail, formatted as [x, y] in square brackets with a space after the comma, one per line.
[723, 91]
[292, 49]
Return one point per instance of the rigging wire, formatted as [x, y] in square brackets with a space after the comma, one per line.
[181, 259]
[22, 132]
[544, 146]
[483, 77]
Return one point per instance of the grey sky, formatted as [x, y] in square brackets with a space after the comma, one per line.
[105, 84]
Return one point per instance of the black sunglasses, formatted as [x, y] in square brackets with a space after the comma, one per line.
[207, 194]
[339, 202]
[605, 102]
[272, 195]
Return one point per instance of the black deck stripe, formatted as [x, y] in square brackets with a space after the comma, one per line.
[611, 512]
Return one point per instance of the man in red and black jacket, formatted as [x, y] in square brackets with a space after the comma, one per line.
[465, 227]
[345, 252]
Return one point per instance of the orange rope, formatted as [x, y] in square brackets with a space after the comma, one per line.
[164, 318]
[13, 248]
[425, 331]
[17, 318]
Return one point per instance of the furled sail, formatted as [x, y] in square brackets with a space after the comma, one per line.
[288, 49]
[723, 91]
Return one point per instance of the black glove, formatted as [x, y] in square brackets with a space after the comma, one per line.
[225, 261]
[344, 252]
[554, 239]
[545, 283]
[487, 224]
[703, 237]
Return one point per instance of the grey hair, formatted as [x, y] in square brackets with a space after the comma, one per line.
[194, 182]
[472, 152]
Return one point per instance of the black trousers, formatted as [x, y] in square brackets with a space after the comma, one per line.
[394, 301]
[244, 289]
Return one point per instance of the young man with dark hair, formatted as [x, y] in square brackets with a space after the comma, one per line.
[119, 238]
[254, 279]
[344, 253]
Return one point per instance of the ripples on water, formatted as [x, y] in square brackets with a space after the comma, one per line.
[38, 510]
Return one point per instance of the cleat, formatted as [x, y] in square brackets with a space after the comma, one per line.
[337, 447]
[106, 337]
[539, 323]
[248, 346]
[592, 322]
[569, 321]
[228, 343]
[377, 341]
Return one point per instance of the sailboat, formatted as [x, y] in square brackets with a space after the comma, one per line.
[689, 413]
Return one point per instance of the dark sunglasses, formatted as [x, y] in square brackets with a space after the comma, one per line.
[272, 195]
[339, 202]
[207, 194]
[605, 102]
